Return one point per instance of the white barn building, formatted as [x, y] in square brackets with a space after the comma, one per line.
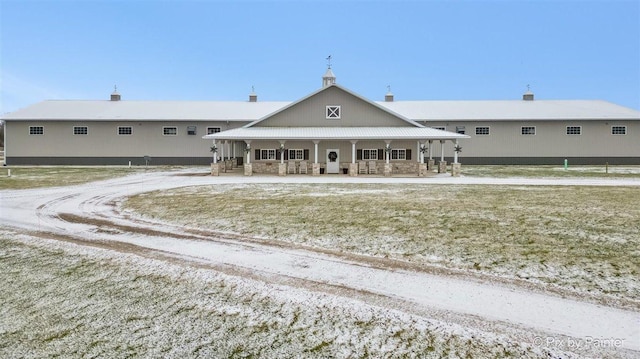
[333, 128]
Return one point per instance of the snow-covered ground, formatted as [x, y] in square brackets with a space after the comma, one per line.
[86, 213]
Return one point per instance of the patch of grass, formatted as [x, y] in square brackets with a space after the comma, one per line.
[581, 238]
[49, 311]
[546, 171]
[52, 176]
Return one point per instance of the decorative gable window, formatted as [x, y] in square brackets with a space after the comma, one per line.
[333, 112]
[212, 130]
[482, 131]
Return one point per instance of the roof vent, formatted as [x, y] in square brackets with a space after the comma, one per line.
[528, 96]
[389, 96]
[115, 96]
[253, 97]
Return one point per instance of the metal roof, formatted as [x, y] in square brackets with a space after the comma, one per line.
[334, 133]
[511, 110]
[146, 110]
[253, 111]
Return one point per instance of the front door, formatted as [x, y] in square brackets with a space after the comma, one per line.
[333, 161]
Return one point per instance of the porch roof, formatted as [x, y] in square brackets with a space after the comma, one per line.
[335, 133]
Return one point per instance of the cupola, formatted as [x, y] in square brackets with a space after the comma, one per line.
[528, 96]
[115, 96]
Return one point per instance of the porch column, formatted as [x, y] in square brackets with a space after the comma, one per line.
[248, 169]
[419, 157]
[315, 167]
[429, 150]
[233, 154]
[353, 166]
[431, 163]
[222, 150]
[215, 153]
[422, 167]
[215, 167]
[315, 151]
[455, 153]
[248, 151]
[387, 165]
[282, 168]
[353, 151]
[442, 165]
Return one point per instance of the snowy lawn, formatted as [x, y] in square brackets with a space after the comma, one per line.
[63, 300]
[52, 176]
[581, 239]
[552, 171]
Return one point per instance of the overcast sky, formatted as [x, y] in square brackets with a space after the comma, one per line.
[218, 50]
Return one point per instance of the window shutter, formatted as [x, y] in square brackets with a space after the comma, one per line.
[306, 154]
[278, 154]
[359, 155]
[257, 155]
[381, 154]
[286, 155]
[408, 154]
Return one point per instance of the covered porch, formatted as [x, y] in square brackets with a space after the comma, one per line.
[335, 150]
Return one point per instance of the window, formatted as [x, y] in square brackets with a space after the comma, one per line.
[460, 130]
[169, 131]
[211, 130]
[618, 130]
[191, 130]
[528, 130]
[442, 128]
[296, 154]
[125, 130]
[333, 112]
[574, 130]
[268, 154]
[80, 130]
[369, 154]
[482, 131]
[397, 154]
[36, 130]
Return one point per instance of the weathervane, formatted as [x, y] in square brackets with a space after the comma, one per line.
[388, 88]
[329, 61]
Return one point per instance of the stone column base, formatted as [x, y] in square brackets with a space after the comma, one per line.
[431, 165]
[387, 169]
[353, 169]
[442, 167]
[282, 169]
[215, 169]
[456, 169]
[315, 169]
[422, 169]
[248, 169]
